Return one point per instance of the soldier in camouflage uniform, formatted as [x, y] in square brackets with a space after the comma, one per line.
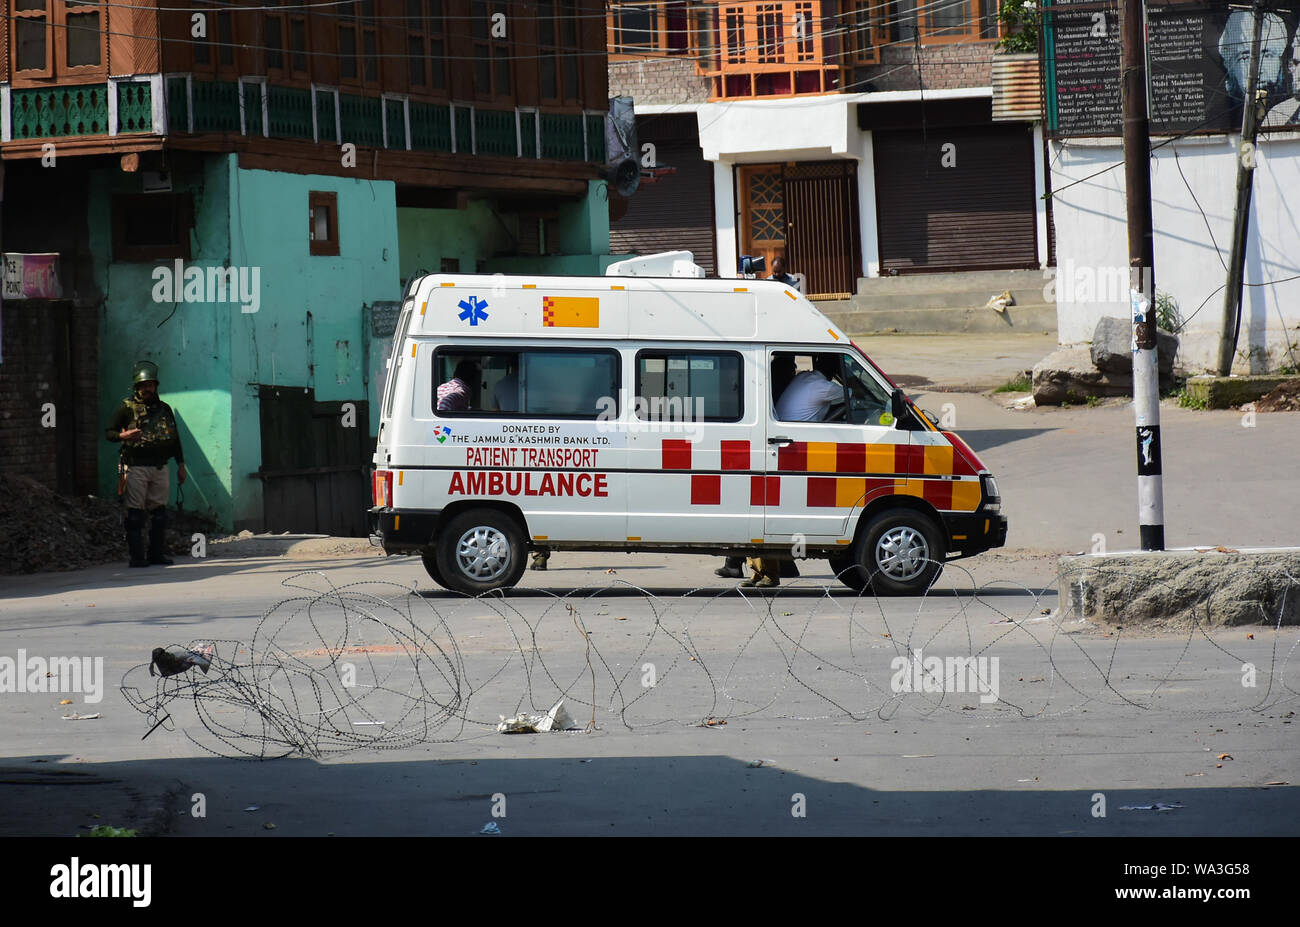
[146, 427]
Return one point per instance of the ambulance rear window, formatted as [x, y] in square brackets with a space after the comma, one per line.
[689, 386]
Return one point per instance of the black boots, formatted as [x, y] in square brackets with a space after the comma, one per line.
[158, 538]
[132, 524]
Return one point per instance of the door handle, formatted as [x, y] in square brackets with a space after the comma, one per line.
[780, 440]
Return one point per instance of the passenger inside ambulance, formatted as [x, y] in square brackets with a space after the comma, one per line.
[457, 394]
[558, 382]
[829, 387]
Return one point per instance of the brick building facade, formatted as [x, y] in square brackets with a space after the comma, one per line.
[818, 118]
[49, 393]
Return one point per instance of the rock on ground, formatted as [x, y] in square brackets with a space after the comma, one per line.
[1112, 347]
[1067, 375]
[1178, 588]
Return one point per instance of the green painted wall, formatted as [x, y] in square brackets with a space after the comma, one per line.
[305, 330]
[467, 235]
[584, 224]
[568, 265]
[188, 341]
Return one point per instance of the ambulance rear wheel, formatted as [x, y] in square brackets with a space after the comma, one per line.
[480, 550]
[430, 557]
[902, 552]
[850, 573]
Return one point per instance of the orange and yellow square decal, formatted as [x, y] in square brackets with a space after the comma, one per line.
[570, 312]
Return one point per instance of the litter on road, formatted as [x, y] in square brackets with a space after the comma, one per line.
[557, 719]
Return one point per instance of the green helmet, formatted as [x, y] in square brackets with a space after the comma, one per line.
[145, 370]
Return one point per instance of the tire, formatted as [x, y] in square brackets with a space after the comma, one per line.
[855, 579]
[902, 552]
[430, 557]
[480, 550]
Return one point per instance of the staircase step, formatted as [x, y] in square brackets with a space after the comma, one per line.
[992, 280]
[853, 321]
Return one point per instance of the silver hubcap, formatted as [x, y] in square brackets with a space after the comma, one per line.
[902, 554]
[483, 553]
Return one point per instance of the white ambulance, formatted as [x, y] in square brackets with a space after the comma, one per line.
[635, 412]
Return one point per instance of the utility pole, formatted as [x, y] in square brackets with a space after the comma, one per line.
[1250, 116]
[1142, 283]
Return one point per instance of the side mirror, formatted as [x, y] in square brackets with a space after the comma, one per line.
[898, 405]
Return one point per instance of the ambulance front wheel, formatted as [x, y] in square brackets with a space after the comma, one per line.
[480, 550]
[902, 552]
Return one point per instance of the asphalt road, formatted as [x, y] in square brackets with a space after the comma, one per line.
[822, 732]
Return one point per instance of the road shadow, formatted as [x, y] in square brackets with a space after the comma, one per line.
[982, 439]
[583, 794]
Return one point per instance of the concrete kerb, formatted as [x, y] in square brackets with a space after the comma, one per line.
[1212, 587]
[1230, 392]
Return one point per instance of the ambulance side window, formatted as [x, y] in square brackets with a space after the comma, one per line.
[689, 386]
[514, 383]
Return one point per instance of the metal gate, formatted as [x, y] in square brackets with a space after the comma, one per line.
[956, 198]
[315, 463]
[673, 209]
[822, 238]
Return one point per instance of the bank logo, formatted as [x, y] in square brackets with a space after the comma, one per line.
[442, 433]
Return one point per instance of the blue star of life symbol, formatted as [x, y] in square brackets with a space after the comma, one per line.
[473, 310]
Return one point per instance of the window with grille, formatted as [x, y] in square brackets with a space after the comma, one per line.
[51, 38]
[491, 53]
[358, 43]
[425, 45]
[273, 36]
[641, 27]
[943, 20]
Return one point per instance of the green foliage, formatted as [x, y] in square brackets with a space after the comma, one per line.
[1188, 400]
[1094, 401]
[1021, 21]
[1167, 315]
[105, 830]
[1018, 384]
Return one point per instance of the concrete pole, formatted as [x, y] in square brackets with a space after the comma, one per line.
[1241, 218]
[1141, 260]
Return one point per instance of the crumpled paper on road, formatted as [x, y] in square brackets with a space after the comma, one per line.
[557, 719]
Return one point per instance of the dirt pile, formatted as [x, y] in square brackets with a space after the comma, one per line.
[1285, 398]
[41, 530]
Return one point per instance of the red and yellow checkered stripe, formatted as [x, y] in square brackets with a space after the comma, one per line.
[927, 472]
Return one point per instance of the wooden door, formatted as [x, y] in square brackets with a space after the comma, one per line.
[762, 212]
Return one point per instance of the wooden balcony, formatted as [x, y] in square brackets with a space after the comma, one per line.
[775, 49]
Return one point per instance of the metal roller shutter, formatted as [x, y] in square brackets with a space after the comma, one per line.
[977, 213]
[674, 213]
